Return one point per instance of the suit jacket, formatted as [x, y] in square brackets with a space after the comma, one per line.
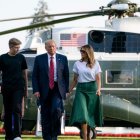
[40, 76]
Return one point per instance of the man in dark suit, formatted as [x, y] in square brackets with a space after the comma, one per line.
[50, 82]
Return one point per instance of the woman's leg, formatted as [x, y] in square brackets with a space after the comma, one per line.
[84, 131]
[88, 133]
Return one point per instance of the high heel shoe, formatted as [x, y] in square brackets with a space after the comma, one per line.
[94, 133]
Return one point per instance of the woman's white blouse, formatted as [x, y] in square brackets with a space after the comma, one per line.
[86, 74]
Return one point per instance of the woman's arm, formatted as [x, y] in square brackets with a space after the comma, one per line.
[73, 83]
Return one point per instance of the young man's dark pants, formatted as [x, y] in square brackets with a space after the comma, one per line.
[12, 100]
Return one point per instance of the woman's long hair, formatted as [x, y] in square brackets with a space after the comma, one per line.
[90, 55]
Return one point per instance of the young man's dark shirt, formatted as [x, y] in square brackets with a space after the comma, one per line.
[11, 67]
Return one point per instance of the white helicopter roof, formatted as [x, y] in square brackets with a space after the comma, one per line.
[130, 24]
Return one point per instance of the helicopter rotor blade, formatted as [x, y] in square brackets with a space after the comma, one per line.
[53, 15]
[45, 23]
[95, 13]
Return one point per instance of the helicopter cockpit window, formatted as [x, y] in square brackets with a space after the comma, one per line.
[28, 43]
[96, 39]
[46, 35]
[31, 41]
[119, 77]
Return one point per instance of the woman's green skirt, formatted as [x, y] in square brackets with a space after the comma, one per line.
[86, 106]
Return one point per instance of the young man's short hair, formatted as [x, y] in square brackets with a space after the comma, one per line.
[13, 42]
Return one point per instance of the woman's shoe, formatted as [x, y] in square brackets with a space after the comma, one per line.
[94, 133]
[81, 134]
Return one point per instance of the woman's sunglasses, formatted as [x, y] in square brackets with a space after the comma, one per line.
[82, 51]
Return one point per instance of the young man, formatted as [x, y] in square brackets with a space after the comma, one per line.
[50, 84]
[14, 87]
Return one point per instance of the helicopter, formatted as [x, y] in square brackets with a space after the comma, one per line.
[117, 48]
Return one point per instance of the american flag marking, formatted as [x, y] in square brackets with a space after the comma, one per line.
[75, 39]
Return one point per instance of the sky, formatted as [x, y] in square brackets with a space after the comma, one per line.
[23, 8]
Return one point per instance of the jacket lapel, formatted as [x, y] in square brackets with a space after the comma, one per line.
[46, 63]
[58, 63]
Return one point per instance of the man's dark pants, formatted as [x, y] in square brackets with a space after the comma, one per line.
[51, 112]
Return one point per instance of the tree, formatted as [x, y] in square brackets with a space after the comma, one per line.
[41, 9]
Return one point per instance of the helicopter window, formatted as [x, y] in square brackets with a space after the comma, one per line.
[96, 36]
[133, 43]
[119, 77]
[118, 43]
[96, 40]
[107, 43]
[46, 35]
[28, 43]
[31, 41]
[114, 42]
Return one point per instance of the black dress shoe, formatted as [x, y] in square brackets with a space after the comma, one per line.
[94, 133]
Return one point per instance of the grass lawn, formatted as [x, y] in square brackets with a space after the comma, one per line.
[31, 137]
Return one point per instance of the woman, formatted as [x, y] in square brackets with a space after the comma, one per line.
[86, 111]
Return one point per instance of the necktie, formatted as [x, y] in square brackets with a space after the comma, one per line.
[51, 73]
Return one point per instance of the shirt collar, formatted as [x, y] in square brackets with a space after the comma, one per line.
[54, 56]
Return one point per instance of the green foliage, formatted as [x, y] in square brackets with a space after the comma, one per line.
[41, 9]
